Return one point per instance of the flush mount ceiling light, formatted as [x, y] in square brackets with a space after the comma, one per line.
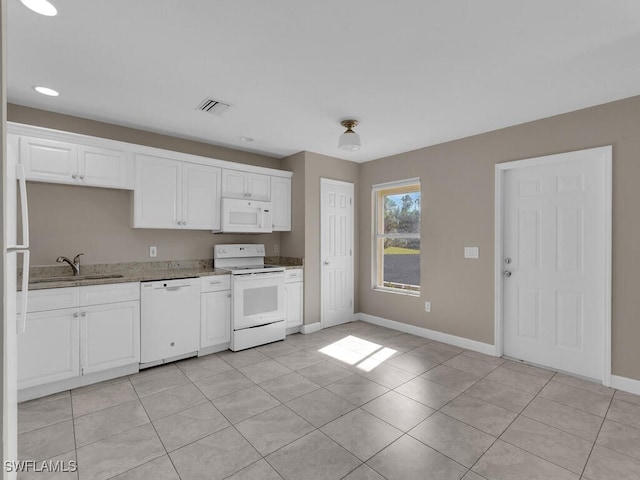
[349, 141]
[46, 91]
[43, 7]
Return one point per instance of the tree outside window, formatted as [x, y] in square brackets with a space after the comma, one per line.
[397, 236]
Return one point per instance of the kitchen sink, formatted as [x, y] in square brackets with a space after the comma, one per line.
[75, 278]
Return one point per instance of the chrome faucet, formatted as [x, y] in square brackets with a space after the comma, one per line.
[75, 264]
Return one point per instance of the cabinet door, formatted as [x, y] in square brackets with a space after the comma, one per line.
[293, 293]
[281, 204]
[234, 184]
[48, 351]
[259, 186]
[215, 311]
[156, 196]
[49, 160]
[102, 167]
[109, 336]
[200, 197]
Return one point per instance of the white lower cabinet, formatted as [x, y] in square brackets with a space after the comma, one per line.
[48, 350]
[78, 331]
[215, 311]
[294, 291]
[109, 336]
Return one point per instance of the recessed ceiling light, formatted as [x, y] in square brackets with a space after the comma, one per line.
[246, 139]
[46, 91]
[43, 7]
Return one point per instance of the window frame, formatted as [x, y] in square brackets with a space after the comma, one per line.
[377, 216]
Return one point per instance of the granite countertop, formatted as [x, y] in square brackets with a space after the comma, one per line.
[58, 276]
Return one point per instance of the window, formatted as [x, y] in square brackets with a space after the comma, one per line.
[396, 223]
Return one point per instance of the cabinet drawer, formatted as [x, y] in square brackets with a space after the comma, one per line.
[294, 275]
[215, 283]
[49, 299]
[112, 293]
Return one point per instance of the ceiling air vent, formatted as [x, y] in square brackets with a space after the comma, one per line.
[210, 105]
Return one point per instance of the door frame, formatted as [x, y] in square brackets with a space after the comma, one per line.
[328, 181]
[500, 170]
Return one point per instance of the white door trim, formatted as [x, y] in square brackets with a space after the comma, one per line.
[329, 181]
[500, 170]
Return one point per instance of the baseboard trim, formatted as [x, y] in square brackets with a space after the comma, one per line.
[38, 391]
[311, 328]
[627, 384]
[461, 342]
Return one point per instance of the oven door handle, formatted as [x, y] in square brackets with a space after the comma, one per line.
[255, 276]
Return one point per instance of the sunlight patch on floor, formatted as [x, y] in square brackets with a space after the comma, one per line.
[359, 352]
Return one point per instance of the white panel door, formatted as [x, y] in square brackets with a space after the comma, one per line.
[215, 311]
[336, 251]
[103, 167]
[200, 197]
[109, 336]
[49, 160]
[157, 193]
[553, 288]
[49, 350]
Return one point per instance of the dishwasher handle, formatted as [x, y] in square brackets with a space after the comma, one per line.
[168, 285]
[175, 288]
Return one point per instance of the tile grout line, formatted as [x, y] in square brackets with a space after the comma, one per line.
[511, 423]
[595, 440]
[156, 432]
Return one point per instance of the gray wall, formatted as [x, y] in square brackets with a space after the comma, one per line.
[66, 219]
[308, 169]
[69, 219]
[67, 123]
[458, 209]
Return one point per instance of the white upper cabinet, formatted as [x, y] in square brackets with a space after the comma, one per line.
[174, 194]
[54, 161]
[281, 204]
[156, 198]
[200, 197]
[245, 185]
[102, 167]
[49, 160]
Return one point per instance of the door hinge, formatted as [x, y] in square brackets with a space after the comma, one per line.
[351, 252]
[351, 303]
[350, 201]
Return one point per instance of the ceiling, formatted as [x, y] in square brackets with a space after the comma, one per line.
[414, 72]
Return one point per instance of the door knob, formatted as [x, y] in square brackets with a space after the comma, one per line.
[326, 262]
[506, 273]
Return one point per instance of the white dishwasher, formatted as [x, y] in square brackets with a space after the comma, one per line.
[169, 320]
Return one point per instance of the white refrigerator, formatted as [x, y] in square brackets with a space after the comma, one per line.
[16, 252]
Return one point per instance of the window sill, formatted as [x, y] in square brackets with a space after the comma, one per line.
[397, 291]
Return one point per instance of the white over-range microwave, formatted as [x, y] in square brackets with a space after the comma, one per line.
[245, 216]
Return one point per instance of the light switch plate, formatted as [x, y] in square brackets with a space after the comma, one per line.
[471, 252]
[153, 251]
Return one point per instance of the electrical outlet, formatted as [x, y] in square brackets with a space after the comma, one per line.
[153, 251]
[276, 248]
[427, 306]
[471, 252]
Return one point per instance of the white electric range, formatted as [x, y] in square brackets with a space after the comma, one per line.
[257, 295]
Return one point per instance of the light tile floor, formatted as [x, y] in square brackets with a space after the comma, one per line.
[352, 402]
